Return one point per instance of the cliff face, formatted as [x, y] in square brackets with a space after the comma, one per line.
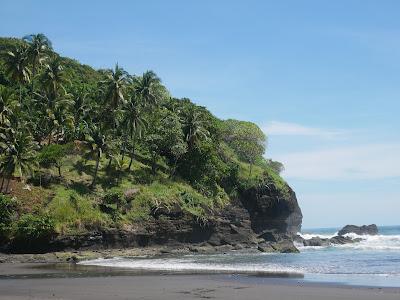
[262, 217]
[272, 209]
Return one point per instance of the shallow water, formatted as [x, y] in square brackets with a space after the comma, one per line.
[375, 261]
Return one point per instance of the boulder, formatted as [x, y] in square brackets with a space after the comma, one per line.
[359, 230]
[283, 246]
[272, 209]
[316, 241]
[341, 240]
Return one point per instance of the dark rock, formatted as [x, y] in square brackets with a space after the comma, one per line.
[341, 240]
[298, 239]
[359, 230]
[284, 246]
[265, 247]
[272, 208]
[316, 241]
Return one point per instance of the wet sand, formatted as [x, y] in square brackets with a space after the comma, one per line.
[21, 281]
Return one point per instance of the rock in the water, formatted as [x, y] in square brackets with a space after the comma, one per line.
[316, 241]
[360, 230]
[283, 246]
[341, 240]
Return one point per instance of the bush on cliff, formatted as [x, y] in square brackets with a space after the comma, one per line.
[33, 229]
[7, 208]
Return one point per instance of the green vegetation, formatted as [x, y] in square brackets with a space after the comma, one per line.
[84, 149]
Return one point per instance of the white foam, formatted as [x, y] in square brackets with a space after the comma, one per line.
[374, 242]
[368, 242]
[188, 265]
[308, 236]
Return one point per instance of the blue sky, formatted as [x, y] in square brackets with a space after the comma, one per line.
[321, 78]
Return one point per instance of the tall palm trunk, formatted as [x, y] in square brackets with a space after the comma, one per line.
[132, 154]
[8, 183]
[33, 77]
[20, 93]
[96, 169]
[2, 183]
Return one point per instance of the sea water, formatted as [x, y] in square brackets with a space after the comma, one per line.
[375, 261]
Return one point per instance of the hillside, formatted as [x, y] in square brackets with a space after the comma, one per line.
[102, 158]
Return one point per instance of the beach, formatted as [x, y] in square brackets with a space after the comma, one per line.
[22, 281]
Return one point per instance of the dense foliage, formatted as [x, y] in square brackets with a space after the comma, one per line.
[105, 131]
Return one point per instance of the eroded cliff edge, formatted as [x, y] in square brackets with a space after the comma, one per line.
[263, 217]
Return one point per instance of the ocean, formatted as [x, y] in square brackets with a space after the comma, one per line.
[375, 261]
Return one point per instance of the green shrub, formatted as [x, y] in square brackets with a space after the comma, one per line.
[113, 203]
[7, 207]
[32, 228]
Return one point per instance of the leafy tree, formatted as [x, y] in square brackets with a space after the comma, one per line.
[247, 140]
[53, 155]
[275, 165]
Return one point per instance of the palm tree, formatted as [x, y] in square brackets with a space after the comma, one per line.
[54, 113]
[148, 88]
[7, 106]
[194, 128]
[115, 85]
[96, 141]
[39, 46]
[16, 67]
[134, 124]
[53, 77]
[19, 156]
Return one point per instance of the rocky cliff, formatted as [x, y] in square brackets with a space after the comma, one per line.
[263, 217]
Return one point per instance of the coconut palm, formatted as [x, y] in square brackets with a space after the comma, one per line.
[16, 67]
[115, 85]
[19, 156]
[38, 49]
[148, 88]
[133, 124]
[194, 128]
[53, 77]
[7, 106]
[96, 141]
[55, 112]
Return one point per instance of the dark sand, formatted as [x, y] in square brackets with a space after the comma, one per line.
[21, 281]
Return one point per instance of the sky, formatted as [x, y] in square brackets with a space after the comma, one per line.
[321, 78]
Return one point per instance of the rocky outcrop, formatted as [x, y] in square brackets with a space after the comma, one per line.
[264, 218]
[272, 209]
[359, 230]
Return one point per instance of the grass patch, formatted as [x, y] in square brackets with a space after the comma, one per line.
[74, 213]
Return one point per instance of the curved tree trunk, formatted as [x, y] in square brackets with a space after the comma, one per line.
[96, 170]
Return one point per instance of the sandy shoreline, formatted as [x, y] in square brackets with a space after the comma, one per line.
[35, 281]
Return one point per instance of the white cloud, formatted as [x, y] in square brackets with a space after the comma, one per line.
[293, 129]
[370, 161]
